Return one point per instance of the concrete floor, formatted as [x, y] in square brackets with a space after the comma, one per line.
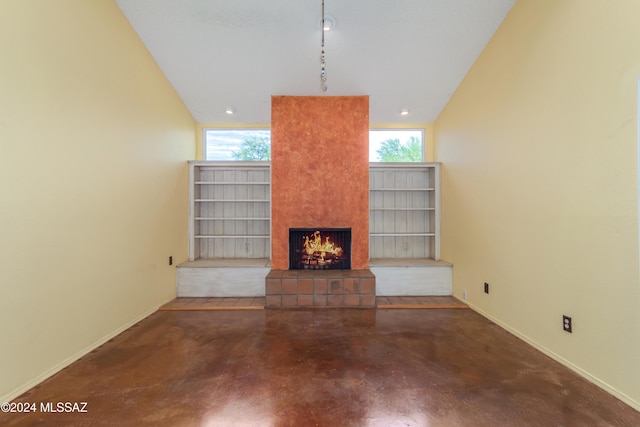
[256, 303]
[339, 367]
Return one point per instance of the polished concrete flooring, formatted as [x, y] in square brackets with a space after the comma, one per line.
[329, 367]
[258, 303]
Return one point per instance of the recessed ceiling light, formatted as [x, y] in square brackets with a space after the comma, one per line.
[230, 109]
[404, 112]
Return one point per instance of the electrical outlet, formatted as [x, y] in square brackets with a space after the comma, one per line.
[486, 288]
[464, 294]
[170, 260]
[567, 324]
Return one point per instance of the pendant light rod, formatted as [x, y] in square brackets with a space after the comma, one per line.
[323, 64]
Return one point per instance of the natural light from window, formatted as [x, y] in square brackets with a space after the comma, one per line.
[237, 144]
[396, 145]
[385, 145]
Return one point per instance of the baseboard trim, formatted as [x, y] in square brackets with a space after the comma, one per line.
[68, 361]
[418, 306]
[584, 374]
[214, 308]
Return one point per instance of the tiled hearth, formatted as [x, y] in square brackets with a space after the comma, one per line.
[320, 288]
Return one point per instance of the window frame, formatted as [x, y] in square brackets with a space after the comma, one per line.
[420, 130]
[230, 129]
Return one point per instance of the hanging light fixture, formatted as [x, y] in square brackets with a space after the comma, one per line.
[329, 22]
[323, 64]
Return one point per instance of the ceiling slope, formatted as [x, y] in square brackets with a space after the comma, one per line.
[404, 54]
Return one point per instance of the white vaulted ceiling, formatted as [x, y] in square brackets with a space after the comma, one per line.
[404, 54]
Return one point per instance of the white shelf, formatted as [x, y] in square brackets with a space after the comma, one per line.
[404, 201]
[220, 236]
[232, 200]
[231, 183]
[207, 165]
[402, 209]
[229, 210]
[402, 189]
[401, 234]
[232, 219]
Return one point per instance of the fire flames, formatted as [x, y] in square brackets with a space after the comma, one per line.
[315, 245]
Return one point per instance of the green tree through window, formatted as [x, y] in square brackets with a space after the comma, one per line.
[392, 150]
[237, 144]
[254, 148]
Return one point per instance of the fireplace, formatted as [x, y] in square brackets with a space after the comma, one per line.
[320, 273]
[328, 188]
[319, 249]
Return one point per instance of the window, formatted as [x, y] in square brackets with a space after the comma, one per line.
[396, 145]
[385, 145]
[237, 144]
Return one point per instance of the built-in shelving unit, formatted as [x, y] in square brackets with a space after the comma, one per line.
[404, 203]
[230, 230]
[229, 210]
[404, 230]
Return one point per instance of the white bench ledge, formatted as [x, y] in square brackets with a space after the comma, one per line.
[408, 262]
[227, 263]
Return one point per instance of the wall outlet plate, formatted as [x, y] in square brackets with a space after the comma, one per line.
[567, 325]
[486, 288]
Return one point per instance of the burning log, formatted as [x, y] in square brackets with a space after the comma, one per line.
[315, 246]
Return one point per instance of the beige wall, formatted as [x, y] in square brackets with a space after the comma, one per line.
[540, 194]
[93, 180]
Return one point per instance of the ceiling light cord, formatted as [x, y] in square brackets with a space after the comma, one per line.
[323, 64]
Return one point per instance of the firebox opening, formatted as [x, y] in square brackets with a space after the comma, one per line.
[319, 248]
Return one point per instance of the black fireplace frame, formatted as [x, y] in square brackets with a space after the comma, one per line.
[339, 236]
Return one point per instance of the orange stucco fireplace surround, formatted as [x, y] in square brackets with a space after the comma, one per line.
[320, 179]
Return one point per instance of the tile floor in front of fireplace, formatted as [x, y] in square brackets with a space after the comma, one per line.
[258, 303]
